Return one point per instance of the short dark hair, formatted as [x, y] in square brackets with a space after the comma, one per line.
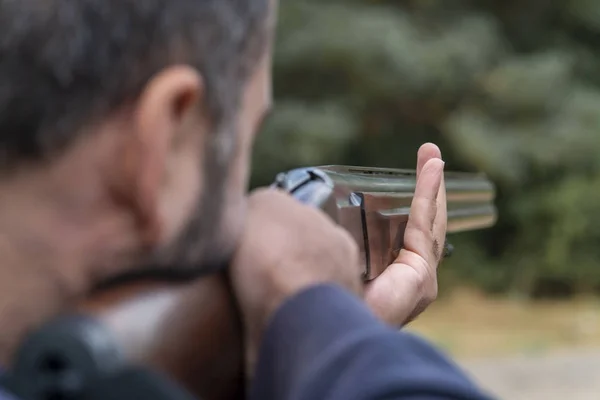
[66, 64]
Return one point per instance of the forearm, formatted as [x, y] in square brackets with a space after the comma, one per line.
[325, 343]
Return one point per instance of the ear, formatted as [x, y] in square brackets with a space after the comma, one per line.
[166, 123]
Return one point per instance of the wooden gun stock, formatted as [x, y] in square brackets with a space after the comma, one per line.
[192, 331]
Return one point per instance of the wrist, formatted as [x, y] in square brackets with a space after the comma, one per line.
[257, 325]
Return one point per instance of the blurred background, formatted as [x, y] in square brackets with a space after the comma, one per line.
[507, 87]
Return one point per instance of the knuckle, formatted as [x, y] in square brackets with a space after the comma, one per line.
[258, 198]
[269, 193]
[422, 242]
[260, 193]
[272, 202]
[431, 293]
[423, 276]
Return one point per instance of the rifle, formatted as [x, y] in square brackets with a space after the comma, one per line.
[191, 331]
[373, 204]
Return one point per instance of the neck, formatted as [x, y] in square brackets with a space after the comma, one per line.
[53, 247]
[29, 293]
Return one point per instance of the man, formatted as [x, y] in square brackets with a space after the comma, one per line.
[126, 129]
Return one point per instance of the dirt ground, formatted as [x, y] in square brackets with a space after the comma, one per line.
[572, 375]
[520, 350]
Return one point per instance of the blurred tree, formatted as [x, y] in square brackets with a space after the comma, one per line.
[508, 87]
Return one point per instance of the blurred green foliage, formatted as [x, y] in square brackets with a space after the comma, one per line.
[511, 88]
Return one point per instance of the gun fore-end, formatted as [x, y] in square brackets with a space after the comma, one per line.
[373, 204]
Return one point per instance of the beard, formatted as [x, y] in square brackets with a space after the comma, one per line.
[207, 243]
[203, 247]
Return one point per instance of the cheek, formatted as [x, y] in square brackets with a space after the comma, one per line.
[256, 101]
[239, 167]
[181, 194]
[235, 196]
[236, 188]
[234, 217]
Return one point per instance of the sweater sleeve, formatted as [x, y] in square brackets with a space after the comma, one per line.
[325, 344]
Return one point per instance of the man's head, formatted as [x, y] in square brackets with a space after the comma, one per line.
[125, 130]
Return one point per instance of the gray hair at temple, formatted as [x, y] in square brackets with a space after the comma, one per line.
[65, 65]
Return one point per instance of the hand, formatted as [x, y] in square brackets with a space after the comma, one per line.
[287, 247]
[409, 285]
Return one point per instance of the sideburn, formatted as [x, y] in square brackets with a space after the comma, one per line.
[202, 247]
